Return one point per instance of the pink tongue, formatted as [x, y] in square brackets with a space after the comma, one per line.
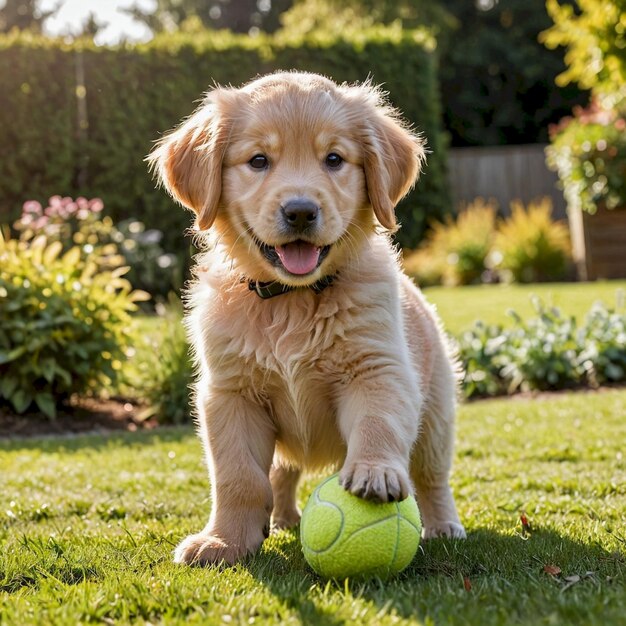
[298, 257]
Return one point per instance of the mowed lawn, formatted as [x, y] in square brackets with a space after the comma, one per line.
[88, 525]
[460, 307]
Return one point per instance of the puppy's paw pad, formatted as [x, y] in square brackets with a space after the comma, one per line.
[205, 549]
[376, 483]
[452, 530]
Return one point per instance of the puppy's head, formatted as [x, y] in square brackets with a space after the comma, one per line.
[291, 170]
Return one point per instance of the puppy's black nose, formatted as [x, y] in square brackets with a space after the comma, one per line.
[300, 213]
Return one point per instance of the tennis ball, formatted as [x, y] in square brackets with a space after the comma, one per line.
[344, 536]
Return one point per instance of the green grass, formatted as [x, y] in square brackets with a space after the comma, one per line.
[460, 307]
[88, 524]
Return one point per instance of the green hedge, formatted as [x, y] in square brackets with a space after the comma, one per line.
[135, 93]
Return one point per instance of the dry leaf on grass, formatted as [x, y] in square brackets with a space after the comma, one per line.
[553, 570]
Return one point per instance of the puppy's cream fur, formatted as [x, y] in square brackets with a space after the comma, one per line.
[357, 376]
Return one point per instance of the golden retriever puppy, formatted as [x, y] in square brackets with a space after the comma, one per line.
[313, 348]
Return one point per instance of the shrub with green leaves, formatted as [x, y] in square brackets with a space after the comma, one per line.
[64, 321]
[82, 222]
[603, 337]
[588, 152]
[547, 352]
[530, 246]
[456, 251]
[163, 372]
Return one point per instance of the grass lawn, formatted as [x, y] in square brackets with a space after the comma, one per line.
[88, 524]
[460, 307]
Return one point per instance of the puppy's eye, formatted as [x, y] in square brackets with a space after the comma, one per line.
[333, 161]
[258, 162]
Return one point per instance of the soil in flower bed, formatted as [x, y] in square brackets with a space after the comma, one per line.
[80, 416]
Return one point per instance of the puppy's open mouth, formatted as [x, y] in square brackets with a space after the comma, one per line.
[296, 257]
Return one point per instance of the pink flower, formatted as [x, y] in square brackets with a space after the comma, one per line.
[82, 202]
[40, 223]
[55, 201]
[96, 205]
[31, 206]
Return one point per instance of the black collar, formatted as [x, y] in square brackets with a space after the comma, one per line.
[274, 288]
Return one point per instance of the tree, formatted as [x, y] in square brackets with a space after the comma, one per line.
[497, 80]
[91, 26]
[335, 16]
[595, 38]
[240, 16]
[23, 15]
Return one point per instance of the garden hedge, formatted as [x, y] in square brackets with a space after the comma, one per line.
[135, 93]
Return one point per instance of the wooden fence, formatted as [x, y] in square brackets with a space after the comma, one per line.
[505, 173]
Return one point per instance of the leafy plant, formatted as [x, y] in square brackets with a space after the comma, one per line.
[530, 246]
[483, 357]
[163, 374]
[64, 321]
[152, 269]
[594, 33]
[546, 352]
[44, 153]
[81, 222]
[603, 337]
[456, 251]
[588, 151]
[542, 352]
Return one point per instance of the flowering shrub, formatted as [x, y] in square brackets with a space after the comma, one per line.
[72, 223]
[64, 320]
[81, 222]
[588, 151]
[151, 268]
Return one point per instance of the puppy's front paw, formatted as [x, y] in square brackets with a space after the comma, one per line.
[206, 549]
[378, 483]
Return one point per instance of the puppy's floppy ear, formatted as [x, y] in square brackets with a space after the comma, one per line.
[188, 161]
[393, 156]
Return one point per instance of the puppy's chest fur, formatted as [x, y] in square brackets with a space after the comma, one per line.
[293, 354]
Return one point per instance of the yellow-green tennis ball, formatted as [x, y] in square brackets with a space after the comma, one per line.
[344, 536]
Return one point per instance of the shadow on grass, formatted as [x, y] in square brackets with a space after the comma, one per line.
[69, 443]
[487, 572]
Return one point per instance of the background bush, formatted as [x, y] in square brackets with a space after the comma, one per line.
[528, 246]
[547, 352]
[64, 321]
[162, 371]
[455, 251]
[89, 137]
[81, 222]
